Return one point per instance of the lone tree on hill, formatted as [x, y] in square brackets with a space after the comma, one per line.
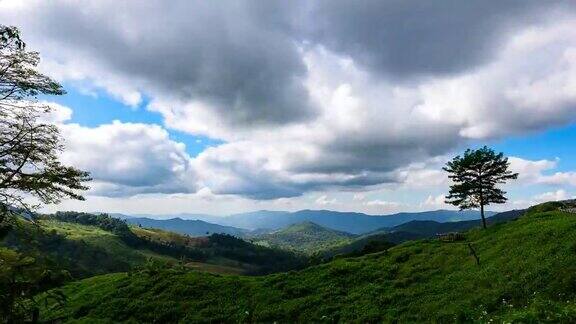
[29, 146]
[475, 176]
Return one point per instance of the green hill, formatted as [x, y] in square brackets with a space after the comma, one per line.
[80, 249]
[527, 273]
[384, 238]
[87, 245]
[306, 237]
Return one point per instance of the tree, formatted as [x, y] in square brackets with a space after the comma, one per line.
[29, 147]
[475, 176]
[29, 167]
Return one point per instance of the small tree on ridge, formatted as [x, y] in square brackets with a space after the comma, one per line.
[475, 176]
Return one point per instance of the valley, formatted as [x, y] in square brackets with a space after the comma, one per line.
[422, 280]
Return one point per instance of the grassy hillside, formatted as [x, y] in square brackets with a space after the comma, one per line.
[527, 273]
[306, 237]
[80, 249]
[225, 253]
[383, 238]
[87, 250]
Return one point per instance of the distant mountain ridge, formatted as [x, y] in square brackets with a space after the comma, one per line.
[351, 222]
[186, 226]
[306, 237]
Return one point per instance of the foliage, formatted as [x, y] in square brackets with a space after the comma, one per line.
[420, 281]
[475, 176]
[123, 231]
[82, 250]
[28, 147]
[21, 278]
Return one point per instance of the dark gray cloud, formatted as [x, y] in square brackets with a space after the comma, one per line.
[232, 55]
[404, 38]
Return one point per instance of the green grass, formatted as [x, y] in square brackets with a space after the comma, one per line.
[527, 273]
[74, 231]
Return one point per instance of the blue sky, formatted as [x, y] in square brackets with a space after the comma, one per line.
[98, 108]
[207, 107]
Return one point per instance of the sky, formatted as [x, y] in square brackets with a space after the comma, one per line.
[233, 106]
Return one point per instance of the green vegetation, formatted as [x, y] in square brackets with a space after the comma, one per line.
[357, 247]
[53, 249]
[80, 249]
[87, 244]
[306, 237]
[527, 273]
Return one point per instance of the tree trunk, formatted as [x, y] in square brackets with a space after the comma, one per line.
[482, 215]
[482, 208]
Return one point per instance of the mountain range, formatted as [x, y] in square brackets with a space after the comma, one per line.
[268, 221]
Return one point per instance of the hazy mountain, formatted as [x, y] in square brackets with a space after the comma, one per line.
[355, 223]
[186, 226]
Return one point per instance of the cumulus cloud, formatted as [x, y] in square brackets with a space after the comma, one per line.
[222, 55]
[382, 203]
[308, 96]
[325, 201]
[538, 172]
[435, 202]
[127, 159]
[553, 196]
[557, 195]
[412, 37]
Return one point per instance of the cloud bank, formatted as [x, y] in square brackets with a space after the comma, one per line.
[305, 96]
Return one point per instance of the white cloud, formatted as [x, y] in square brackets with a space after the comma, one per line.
[534, 172]
[552, 196]
[435, 202]
[58, 113]
[557, 195]
[325, 201]
[382, 203]
[127, 159]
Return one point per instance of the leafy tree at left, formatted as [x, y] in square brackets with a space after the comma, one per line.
[29, 147]
[30, 169]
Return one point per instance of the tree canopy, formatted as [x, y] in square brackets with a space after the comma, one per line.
[29, 146]
[475, 177]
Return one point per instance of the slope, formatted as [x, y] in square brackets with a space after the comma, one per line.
[527, 273]
[413, 230]
[86, 245]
